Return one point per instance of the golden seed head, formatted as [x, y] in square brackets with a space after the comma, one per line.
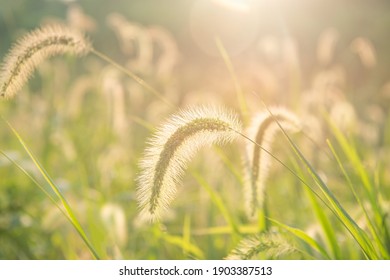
[172, 147]
[32, 49]
[262, 130]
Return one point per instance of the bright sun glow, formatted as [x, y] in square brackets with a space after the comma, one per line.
[234, 22]
[239, 5]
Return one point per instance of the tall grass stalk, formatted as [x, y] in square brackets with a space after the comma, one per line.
[140, 81]
[240, 94]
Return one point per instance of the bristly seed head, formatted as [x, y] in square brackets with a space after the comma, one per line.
[172, 147]
[273, 245]
[262, 130]
[32, 49]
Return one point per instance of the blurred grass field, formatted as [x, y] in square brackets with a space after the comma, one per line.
[88, 123]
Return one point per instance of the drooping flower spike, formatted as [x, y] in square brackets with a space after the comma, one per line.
[34, 48]
[172, 147]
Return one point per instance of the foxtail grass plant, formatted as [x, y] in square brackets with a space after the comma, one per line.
[173, 145]
[273, 245]
[34, 48]
[45, 42]
[262, 130]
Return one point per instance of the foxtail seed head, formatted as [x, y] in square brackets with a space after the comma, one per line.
[172, 147]
[32, 49]
[272, 244]
[262, 130]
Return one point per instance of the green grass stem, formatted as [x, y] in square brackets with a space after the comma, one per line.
[70, 214]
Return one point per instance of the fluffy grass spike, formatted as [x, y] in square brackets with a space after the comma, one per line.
[272, 244]
[173, 145]
[34, 48]
[262, 130]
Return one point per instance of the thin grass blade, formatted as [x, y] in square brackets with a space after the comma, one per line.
[357, 233]
[304, 237]
[369, 221]
[46, 176]
[217, 200]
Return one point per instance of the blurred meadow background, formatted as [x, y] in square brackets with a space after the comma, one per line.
[88, 122]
